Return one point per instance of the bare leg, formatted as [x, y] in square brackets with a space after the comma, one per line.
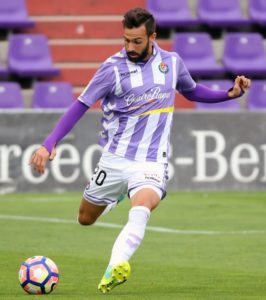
[88, 212]
[146, 197]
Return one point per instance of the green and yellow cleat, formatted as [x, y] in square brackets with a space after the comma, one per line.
[118, 274]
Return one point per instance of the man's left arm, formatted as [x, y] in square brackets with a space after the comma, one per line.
[204, 94]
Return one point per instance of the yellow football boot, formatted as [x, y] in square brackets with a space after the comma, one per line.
[116, 275]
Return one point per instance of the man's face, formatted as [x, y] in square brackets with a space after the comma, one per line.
[137, 43]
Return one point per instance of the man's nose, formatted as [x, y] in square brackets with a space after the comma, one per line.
[130, 47]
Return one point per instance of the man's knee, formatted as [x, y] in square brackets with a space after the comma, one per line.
[84, 219]
[89, 213]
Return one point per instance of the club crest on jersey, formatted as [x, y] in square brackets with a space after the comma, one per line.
[163, 67]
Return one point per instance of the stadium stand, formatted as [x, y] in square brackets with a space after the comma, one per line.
[226, 13]
[197, 52]
[89, 34]
[256, 99]
[171, 14]
[14, 14]
[10, 95]
[52, 95]
[218, 85]
[29, 56]
[257, 12]
[83, 33]
[81, 7]
[244, 53]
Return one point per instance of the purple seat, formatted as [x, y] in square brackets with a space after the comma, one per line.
[257, 11]
[256, 98]
[14, 14]
[29, 56]
[170, 14]
[197, 52]
[52, 95]
[10, 95]
[231, 105]
[244, 53]
[225, 13]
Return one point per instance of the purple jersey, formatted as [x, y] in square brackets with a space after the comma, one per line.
[138, 103]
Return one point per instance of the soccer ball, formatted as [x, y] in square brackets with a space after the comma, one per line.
[38, 275]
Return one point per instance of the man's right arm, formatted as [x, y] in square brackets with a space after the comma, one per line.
[65, 124]
[99, 86]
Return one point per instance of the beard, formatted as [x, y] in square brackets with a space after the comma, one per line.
[138, 57]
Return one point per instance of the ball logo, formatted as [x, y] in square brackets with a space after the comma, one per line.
[163, 67]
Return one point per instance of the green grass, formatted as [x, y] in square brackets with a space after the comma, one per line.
[225, 264]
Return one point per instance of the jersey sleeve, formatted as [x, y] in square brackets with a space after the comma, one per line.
[99, 86]
[184, 79]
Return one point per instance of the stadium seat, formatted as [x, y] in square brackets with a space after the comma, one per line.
[171, 14]
[256, 99]
[52, 95]
[231, 105]
[257, 11]
[225, 13]
[197, 52]
[10, 95]
[244, 53]
[14, 15]
[29, 56]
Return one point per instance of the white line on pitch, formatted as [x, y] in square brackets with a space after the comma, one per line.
[149, 228]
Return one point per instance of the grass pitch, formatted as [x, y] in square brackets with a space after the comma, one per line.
[198, 246]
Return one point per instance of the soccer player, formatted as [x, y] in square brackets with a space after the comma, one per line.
[137, 89]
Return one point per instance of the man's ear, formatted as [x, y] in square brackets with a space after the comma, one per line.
[153, 37]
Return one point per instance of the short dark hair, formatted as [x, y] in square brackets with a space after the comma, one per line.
[136, 17]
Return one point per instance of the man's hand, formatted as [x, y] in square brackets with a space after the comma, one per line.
[39, 159]
[241, 83]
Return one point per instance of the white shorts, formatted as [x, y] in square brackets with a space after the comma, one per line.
[116, 176]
